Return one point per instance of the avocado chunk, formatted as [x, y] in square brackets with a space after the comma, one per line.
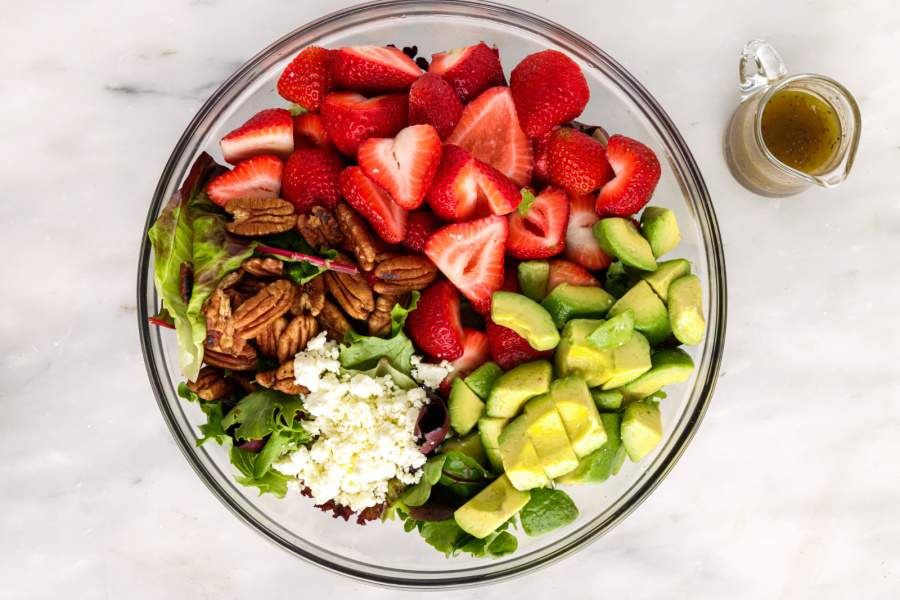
[650, 315]
[526, 317]
[641, 428]
[489, 430]
[667, 272]
[547, 510]
[614, 332]
[520, 459]
[575, 356]
[686, 310]
[620, 238]
[579, 414]
[516, 386]
[568, 301]
[607, 400]
[660, 228]
[547, 433]
[482, 379]
[599, 464]
[465, 407]
[668, 367]
[469, 445]
[490, 508]
[533, 278]
[630, 361]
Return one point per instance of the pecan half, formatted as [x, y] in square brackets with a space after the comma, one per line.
[357, 238]
[256, 313]
[404, 274]
[380, 319]
[211, 384]
[267, 339]
[260, 216]
[319, 228]
[245, 361]
[220, 322]
[352, 293]
[263, 267]
[281, 379]
[310, 297]
[333, 321]
[295, 336]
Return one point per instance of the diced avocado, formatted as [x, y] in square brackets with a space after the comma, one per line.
[617, 279]
[607, 400]
[526, 317]
[641, 428]
[686, 310]
[667, 272]
[533, 278]
[516, 386]
[650, 315]
[575, 356]
[630, 361]
[489, 430]
[568, 301]
[520, 460]
[482, 379]
[490, 508]
[599, 464]
[547, 433]
[465, 407]
[579, 414]
[620, 238]
[660, 228]
[469, 445]
[548, 510]
[669, 366]
[619, 460]
[614, 332]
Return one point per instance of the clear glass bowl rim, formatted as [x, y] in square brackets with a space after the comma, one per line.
[696, 195]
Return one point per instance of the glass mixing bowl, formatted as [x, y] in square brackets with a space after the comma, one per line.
[382, 552]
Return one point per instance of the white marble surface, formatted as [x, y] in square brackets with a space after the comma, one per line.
[790, 490]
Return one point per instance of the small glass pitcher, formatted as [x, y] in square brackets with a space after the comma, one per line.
[762, 74]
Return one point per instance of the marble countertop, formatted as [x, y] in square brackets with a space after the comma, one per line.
[791, 489]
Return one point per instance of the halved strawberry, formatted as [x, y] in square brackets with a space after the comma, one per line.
[549, 89]
[581, 245]
[464, 188]
[403, 165]
[257, 177]
[476, 352]
[511, 276]
[637, 173]
[470, 255]
[564, 271]
[309, 132]
[509, 349]
[576, 162]
[268, 132]
[349, 118]
[311, 177]
[421, 224]
[435, 325]
[489, 129]
[433, 102]
[470, 70]
[374, 204]
[374, 69]
[307, 79]
[537, 227]
[541, 145]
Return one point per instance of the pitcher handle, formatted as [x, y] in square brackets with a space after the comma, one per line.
[760, 67]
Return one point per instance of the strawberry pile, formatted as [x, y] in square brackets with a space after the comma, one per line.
[452, 163]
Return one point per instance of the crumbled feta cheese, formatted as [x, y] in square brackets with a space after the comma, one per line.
[428, 374]
[320, 356]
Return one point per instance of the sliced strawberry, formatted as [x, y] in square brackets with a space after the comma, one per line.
[257, 177]
[581, 245]
[476, 352]
[564, 271]
[464, 188]
[541, 145]
[433, 102]
[307, 79]
[374, 204]
[509, 349]
[350, 118]
[311, 177]
[470, 70]
[309, 132]
[537, 227]
[470, 255]
[268, 132]
[549, 89]
[489, 129]
[637, 173]
[374, 69]
[576, 162]
[419, 228]
[511, 276]
[435, 325]
[403, 165]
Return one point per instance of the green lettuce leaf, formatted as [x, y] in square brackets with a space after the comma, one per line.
[212, 429]
[418, 494]
[448, 537]
[384, 369]
[270, 482]
[364, 351]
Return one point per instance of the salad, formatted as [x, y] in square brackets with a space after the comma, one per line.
[425, 295]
